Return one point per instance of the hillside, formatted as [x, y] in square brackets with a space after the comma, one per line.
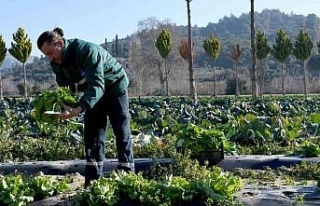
[144, 64]
[10, 62]
[231, 30]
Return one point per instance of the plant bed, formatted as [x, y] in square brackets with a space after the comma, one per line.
[182, 183]
[202, 144]
[213, 157]
[19, 189]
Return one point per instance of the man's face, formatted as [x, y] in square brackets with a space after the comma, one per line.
[53, 51]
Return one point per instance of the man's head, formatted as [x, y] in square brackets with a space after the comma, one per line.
[51, 44]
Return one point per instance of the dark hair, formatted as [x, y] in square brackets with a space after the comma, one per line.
[50, 36]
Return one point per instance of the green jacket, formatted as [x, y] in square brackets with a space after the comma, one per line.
[103, 73]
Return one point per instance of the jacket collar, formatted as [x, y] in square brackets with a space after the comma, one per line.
[64, 50]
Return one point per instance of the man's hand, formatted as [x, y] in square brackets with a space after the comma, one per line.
[69, 112]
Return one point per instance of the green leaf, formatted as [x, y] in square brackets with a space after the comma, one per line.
[315, 118]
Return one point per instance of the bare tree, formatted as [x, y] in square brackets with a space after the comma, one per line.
[148, 32]
[135, 66]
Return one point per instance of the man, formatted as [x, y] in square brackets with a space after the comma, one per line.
[89, 68]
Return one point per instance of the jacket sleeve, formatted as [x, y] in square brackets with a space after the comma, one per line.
[93, 63]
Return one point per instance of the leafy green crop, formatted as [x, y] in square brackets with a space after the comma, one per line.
[51, 100]
[18, 190]
[102, 192]
[46, 186]
[120, 187]
[198, 139]
[14, 191]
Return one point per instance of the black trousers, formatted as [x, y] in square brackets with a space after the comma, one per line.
[116, 108]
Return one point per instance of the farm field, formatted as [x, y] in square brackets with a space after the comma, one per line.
[271, 129]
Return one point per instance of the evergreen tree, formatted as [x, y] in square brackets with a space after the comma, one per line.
[21, 49]
[164, 46]
[212, 47]
[302, 50]
[263, 50]
[3, 52]
[281, 50]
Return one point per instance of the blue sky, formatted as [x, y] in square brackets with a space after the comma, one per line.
[95, 20]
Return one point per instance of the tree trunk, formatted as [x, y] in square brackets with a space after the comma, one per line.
[25, 81]
[263, 77]
[1, 88]
[193, 92]
[259, 76]
[214, 82]
[167, 77]
[253, 54]
[237, 79]
[162, 78]
[282, 78]
[305, 77]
